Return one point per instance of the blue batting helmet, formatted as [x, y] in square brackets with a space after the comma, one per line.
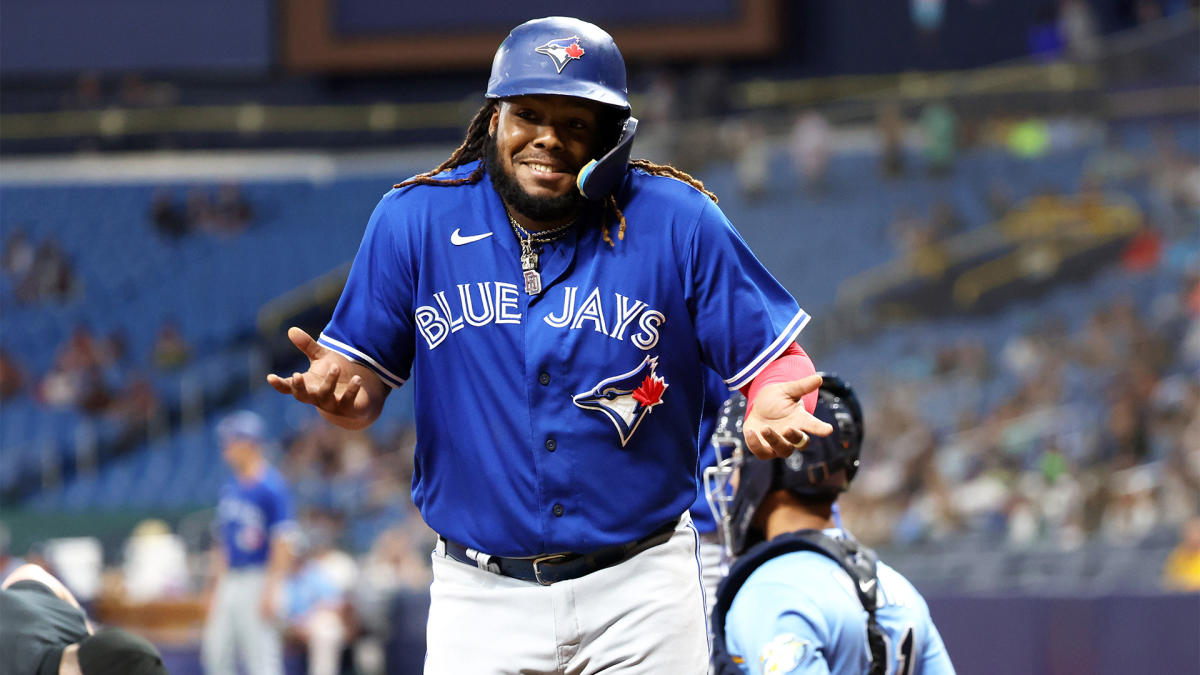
[810, 473]
[567, 57]
[559, 55]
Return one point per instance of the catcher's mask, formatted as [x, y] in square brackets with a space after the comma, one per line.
[812, 472]
[567, 57]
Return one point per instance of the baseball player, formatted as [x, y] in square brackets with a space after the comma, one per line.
[804, 596]
[556, 305]
[254, 528]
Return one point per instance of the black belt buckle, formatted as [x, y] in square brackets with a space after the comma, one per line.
[552, 559]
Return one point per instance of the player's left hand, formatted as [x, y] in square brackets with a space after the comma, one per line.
[778, 424]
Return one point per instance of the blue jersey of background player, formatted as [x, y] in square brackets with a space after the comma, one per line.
[797, 600]
[249, 514]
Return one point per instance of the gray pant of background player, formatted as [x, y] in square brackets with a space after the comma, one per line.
[235, 622]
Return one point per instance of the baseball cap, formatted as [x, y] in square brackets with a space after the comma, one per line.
[242, 425]
[111, 651]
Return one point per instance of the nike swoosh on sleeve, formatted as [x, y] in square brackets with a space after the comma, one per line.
[458, 239]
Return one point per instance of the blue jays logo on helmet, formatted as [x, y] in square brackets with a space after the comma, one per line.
[627, 398]
[562, 51]
[524, 61]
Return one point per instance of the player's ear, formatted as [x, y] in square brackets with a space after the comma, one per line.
[495, 121]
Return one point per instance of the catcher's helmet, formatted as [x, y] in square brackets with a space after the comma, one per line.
[811, 472]
[568, 57]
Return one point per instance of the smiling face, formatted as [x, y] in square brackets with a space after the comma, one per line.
[536, 147]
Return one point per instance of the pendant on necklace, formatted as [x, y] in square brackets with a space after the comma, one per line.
[533, 282]
[529, 263]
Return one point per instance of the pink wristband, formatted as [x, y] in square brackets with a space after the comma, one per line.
[792, 364]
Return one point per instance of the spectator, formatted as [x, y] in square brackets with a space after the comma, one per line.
[944, 221]
[168, 218]
[889, 126]
[18, 255]
[1044, 38]
[1078, 27]
[810, 145]
[939, 127]
[50, 277]
[392, 596]
[12, 376]
[199, 211]
[315, 614]
[155, 563]
[1182, 570]
[231, 212]
[136, 407]
[1143, 252]
[77, 377]
[1029, 138]
[999, 199]
[751, 158]
[171, 350]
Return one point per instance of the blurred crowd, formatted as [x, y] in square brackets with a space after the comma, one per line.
[1096, 435]
[226, 212]
[40, 272]
[1100, 438]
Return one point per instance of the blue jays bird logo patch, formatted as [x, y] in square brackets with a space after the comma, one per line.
[627, 398]
[562, 51]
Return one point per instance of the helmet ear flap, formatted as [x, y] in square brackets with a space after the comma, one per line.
[598, 178]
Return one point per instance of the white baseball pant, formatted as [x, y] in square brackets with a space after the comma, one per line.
[644, 615]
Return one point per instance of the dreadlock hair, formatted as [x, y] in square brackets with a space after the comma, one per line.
[472, 149]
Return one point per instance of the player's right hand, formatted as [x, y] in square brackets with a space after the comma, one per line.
[346, 393]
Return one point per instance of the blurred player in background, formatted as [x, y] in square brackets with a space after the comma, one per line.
[804, 596]
[556, 306]
[43, 631]
[252, 557]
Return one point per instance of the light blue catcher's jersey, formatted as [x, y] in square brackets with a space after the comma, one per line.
[798, 613]
[565, 421]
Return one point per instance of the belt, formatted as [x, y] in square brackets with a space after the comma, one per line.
[554, 567]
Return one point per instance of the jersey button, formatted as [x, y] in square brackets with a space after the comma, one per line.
[551, 445]
[544, 379]
[558, 510]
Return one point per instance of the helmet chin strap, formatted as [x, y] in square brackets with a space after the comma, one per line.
[598, 178]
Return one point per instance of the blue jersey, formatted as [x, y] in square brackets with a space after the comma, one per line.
[250, 514]
[799, 613]
[567, 420]
[715, 394]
